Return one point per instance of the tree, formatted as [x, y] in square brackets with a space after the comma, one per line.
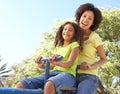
[110, 26]
[112, 67]
[4, 80]
[108, 30]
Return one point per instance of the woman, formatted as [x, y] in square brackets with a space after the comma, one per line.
[88, 17]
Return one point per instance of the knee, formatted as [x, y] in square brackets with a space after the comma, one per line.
[20, 85]
[49, 88]
[49, 84]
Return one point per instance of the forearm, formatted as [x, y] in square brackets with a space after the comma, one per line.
[99, 63]
[87, 66]
[65, 64]
[52, 66]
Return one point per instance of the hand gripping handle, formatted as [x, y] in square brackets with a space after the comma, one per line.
[56, 59]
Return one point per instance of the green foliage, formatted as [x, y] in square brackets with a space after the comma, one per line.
[110, 26]
[27, 68]
[4, 75]
[47, 46]
[112, 66]
[109, 31]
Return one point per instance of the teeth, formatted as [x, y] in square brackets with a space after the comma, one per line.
[84, 24]
[66, 35]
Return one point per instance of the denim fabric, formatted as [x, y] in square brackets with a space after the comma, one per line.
[60, 79]
[63, 80]
[33, 82]
[86, 84]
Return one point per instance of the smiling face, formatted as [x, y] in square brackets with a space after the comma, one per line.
[86, 20]
[68, 32]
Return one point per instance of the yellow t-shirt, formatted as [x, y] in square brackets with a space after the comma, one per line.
[88, 54]
[65, 52]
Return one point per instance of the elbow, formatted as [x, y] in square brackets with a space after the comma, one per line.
[70, 64]
[104, 60]
[66, 64]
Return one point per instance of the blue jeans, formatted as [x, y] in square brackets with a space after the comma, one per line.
[86, 84]
[60, 80]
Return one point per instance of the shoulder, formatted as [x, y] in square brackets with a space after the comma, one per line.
[94, 35]
[74, 45]
[96, 39]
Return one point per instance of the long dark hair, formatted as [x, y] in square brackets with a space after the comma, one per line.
[77, 37]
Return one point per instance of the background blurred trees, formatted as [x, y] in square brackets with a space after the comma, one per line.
[110, 27]
[4, 75]
[109, 30]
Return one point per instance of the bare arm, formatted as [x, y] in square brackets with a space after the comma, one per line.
[101, 52]
[42, 64]
[70, 61]
[102, 56]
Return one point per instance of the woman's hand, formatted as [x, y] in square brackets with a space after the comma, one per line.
[85, 66]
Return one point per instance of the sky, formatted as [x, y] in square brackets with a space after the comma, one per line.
[22, 23]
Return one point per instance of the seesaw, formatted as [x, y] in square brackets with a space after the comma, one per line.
[30, 91]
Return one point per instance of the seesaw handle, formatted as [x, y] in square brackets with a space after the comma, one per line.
[56, 59]
[47, 66]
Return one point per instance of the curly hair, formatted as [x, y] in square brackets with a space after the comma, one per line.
[97, 14]
[77, 37]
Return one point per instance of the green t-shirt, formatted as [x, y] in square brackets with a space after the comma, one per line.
[65, 52]
[88, 54]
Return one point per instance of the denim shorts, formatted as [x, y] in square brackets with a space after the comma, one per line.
[86, 84]
[60, 79]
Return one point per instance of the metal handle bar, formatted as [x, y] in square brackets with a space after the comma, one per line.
[47, 66]
[56, 59]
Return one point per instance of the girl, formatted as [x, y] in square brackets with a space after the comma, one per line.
[67, 43]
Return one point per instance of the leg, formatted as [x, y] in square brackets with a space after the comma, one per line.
[62, 80]
[20, 85]
[31, 83]
[49, 88]
[87, 84]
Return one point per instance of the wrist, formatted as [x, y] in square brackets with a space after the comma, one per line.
[78, 66]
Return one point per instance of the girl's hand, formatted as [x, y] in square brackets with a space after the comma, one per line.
[53, 61]
[54, 56]
[39, 63]
[56, 62]
[38, 59]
